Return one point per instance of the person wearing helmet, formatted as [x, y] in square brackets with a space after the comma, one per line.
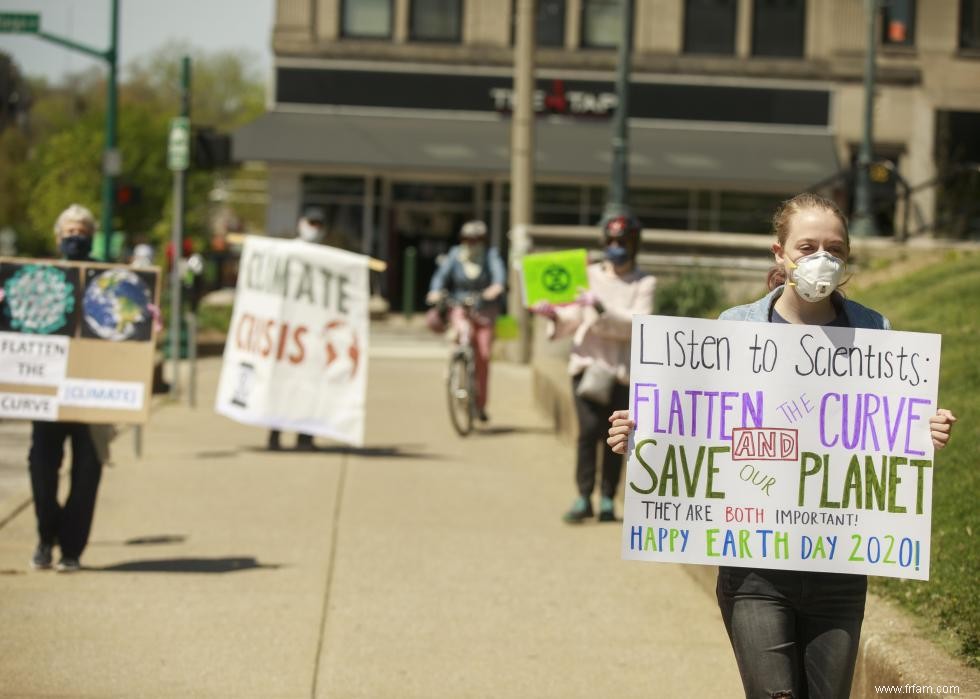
[473, 268]
[600, 323]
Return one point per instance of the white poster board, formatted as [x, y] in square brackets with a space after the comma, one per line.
[781, 446]
[296, 353]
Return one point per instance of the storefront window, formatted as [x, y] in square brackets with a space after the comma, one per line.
[557, 205]
[550, 23]
[898, 23]
[661, 208]
[366, 19]
[602, 23]
[436, 20]
[958, 193]
[747, 212]
[709, 26]
[778, 28]
[970, 24]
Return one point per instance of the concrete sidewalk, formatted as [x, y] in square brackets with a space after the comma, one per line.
[422, 566]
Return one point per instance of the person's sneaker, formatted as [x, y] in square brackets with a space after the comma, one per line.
[69, 564]
[304, 442]
[482, 416]
[273, 443]
[606, 512]
[41, 560]
[581, 510]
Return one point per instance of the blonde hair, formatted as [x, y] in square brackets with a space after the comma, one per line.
[78, 214]
[784, 215]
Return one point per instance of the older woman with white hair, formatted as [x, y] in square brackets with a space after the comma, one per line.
[73, 232]
[68, 525]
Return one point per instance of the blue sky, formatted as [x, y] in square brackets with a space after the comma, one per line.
[144, 26]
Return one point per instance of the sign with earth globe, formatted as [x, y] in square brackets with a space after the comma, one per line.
[115, 305]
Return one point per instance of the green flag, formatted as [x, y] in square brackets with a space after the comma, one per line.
[556, 277]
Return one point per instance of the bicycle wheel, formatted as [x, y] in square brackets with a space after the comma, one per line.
[459, 387]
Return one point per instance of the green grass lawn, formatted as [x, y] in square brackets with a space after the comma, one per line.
[945, 298]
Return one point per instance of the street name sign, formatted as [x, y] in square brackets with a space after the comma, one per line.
[179, 144]
[19, 23]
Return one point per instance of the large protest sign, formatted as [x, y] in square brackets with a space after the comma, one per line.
[781, 446]
[555, 277]
[77, 340]
[296, 353]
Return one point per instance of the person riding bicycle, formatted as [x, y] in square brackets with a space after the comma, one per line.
[472, 268]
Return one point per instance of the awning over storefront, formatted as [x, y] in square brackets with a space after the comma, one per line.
[724, 156]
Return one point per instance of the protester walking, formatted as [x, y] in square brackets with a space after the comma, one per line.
[66, 526]
[600, 324]
[309, 229]
[471, 269]
[796, 633]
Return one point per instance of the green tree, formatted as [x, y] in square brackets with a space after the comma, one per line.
[54, 158]
[226, 86]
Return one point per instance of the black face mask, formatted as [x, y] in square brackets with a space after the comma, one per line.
[76, 247]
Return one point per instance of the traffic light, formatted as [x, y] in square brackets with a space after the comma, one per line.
[211, 149]
[128, 194]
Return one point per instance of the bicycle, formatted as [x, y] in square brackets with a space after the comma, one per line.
[461, 378]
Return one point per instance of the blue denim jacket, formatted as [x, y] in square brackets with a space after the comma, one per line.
[450, 274]
[858, 316]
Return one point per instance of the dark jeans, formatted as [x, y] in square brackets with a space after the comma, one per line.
[301, 439]
[68, 526]
[793, 631]
[593, 425]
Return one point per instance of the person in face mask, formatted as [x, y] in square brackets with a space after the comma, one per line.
[812, 619]
[309, 229]
[310, 226]
[600, 324]
[73, 232]
[469, 269]
[65, 526]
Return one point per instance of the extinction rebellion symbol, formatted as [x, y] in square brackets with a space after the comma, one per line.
[555, 278]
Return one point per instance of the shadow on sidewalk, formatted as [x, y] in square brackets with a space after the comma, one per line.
[150, 540]
[406, 451]
[187, 565]
[511, 429]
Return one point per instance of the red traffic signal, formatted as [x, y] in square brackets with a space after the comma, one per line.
[128, 194]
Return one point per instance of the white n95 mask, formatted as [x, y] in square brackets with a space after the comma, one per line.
[816, 276]
[309, 232]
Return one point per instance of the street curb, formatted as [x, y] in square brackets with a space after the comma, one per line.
[13, 506]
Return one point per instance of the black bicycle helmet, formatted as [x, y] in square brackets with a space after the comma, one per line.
[623, 228]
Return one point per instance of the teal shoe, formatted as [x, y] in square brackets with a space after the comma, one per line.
[581, 510]
[606, 512]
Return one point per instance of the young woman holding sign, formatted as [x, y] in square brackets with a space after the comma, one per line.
[795, 634]
[600, 324]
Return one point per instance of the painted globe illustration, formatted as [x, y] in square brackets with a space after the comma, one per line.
[114, 304]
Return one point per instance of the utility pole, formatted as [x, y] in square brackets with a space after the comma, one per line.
[616, 204]
[30, 23]
[862, 221]
[522, 165]
[178, 160]
[522, 124]
[111, 160]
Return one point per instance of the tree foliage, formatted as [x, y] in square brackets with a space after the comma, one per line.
[54, 156]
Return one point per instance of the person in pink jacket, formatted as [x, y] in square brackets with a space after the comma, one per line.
[600, 323]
